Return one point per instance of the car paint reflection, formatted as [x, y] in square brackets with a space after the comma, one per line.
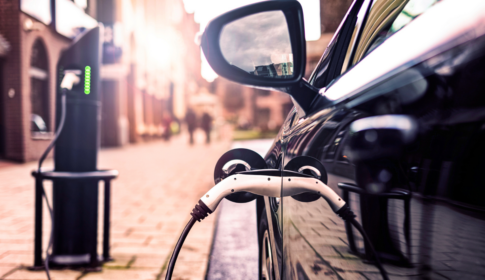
[442, 170]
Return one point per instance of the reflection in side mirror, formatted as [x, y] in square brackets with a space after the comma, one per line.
[262, 44]
[259, 44]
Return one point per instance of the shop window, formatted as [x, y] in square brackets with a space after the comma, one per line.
[39, 90]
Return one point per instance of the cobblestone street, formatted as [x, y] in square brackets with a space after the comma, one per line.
[158, 185]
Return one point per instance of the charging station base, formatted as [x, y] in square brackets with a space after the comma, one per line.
[90, 261]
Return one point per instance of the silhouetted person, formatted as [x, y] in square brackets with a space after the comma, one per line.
[191, 120]
[207, 126]
[166, 123]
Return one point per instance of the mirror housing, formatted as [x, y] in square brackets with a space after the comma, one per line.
[375, 147]
[381, 137]
[211, 47]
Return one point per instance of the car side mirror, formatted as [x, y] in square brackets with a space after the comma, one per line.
[262, 44]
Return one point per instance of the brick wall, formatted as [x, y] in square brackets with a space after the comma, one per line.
[19, 144]
[332, 13]
[54, 43]
[9, 27]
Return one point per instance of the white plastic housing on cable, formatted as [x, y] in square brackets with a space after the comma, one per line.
[71, 78]
[270, 186]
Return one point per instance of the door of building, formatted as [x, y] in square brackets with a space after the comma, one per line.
[2, 112]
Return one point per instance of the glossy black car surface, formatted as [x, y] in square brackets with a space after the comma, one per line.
[424, 209]
[421, 201]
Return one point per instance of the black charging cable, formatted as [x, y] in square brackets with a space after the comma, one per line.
[347, 215]
[59, 129]
[201, 211]
[41, 160]
[178, 247]
[198, 214]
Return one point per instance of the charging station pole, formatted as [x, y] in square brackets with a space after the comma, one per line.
[75, 202]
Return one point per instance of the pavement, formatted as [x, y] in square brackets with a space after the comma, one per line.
[158, 185]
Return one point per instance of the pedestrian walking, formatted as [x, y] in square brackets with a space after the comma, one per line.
[191, 120]
[166, 123]
[207, 126]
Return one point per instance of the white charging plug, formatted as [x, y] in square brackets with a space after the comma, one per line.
[71, 78]
[270, 186]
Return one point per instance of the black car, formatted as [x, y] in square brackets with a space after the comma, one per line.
[392, 118]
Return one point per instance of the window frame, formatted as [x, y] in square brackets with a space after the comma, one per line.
[40, 95]
[335, 55]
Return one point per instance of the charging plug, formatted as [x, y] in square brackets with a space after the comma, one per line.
[266, 183]
[71, 78]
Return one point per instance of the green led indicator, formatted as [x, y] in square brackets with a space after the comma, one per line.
[87, 80]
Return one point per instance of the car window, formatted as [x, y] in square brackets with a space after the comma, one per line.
[320, 72]
[330, 65]
[385, 18]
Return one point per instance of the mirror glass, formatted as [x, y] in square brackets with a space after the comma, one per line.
[259, 44]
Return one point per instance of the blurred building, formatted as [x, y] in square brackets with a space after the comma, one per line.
[150, 65]
[331, 14]
[32, 35]
[251, 108]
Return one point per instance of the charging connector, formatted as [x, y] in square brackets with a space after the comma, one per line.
[268, 182]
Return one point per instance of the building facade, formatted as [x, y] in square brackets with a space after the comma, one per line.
[150, 65]
[153, 67]
[250, 108]
[27, 76]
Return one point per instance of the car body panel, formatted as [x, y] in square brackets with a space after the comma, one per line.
[436, 232]
[451, 25]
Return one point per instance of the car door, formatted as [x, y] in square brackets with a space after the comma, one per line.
[405, 230]
[319, 136]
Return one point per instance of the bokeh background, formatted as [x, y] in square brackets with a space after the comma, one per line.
[155, 86]
[153, 70]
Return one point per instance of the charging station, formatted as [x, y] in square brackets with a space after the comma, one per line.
[75, 176]
[76, 201]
